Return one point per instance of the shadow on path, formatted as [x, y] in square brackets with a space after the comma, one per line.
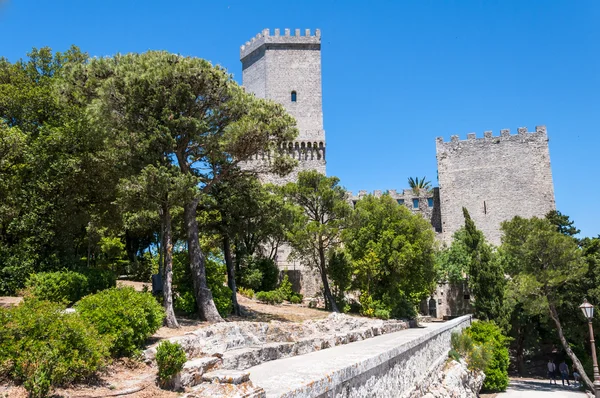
[529, 388]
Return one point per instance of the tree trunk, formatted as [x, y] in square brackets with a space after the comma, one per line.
[519, 351]
[230, 273]
[170, 319]
[576, 363]
[204, 300]
[323, 268]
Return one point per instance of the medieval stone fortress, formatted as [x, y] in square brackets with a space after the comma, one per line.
[496, 177]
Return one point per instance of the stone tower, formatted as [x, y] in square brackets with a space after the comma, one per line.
[495, 178]
[287, 69]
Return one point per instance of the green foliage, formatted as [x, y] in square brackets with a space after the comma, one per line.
[215, 277]
[99, 279]
[60, 287]
[452, 263]
[43, 347]
[416, 185]
[322, 212]
[271, 297]
[246, 292]
[296, 299]
[170, 358]
[486, 274]
[476, 355]
[185, 300]
[285, 287]
[392, 253]
[259, 273]
[488, 334]
[125, 316]
[562, 223]
[340, 273]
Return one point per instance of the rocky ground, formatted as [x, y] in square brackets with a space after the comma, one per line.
[452, 379]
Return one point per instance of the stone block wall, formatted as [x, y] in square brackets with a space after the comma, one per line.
[495, 178]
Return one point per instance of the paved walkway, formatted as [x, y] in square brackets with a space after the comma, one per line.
[539, 389]
[289, 374]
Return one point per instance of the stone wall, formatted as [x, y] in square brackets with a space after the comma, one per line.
[495, 178]
[393, 372]
[449, 300]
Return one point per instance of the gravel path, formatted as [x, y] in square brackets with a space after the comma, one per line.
[519, 388]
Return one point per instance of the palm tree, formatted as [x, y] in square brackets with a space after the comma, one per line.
[417, 184]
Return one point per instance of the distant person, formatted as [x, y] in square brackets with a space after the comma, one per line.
[576, 378]
[551, 371]
[564, 372]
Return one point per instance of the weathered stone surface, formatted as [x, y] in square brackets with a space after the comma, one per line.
[495, 178]
[226, 390]
[227, 376]
[385, 366]
[450, 379]
[193, 370]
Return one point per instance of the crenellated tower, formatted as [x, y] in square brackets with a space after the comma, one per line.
[495, 178]
[287, 69]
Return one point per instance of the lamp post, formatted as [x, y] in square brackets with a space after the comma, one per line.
[588, 312]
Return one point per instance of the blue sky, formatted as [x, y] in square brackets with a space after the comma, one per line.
[395, 74]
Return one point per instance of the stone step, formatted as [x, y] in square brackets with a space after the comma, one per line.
[227, 376]
[194, 370]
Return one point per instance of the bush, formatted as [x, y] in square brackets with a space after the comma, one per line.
[285, 287]
[476, 355]
[170, 358]
[496, 370]
[272, 297]
[296, 299]
[99, 279]
[259, 274]
[59, 287]
[43, 347]
[127, 317]
[246, 292]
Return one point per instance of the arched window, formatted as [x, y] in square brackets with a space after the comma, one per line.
[294, 96]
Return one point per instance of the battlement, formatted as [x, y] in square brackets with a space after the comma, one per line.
[300, 150]
[265, 38]
[504, 134]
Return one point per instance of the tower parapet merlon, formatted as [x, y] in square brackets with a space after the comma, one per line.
[265, 37]
[488, 135]
[300, 150]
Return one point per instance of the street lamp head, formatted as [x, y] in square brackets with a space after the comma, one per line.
[587, 309]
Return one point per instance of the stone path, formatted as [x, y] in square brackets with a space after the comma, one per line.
[284, 375]
[539, 389]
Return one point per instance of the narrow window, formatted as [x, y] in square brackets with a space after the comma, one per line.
[354, 203]
[415, 203]
[467, 297]
[400, 201]
[484, 208]
[293, 96]
[430, 202]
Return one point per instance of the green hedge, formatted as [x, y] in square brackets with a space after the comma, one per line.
[125, 316]
[43, 347]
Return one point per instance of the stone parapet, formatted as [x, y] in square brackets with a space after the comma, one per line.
[384, 366]
[277, 38]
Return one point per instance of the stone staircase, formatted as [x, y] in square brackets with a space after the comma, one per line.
[219, 354]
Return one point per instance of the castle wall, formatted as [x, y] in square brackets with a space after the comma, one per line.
[495, 178]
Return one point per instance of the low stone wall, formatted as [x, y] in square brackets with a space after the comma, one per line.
[393, 372]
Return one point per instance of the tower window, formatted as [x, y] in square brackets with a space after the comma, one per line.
[294, 96]
[415, 203]
[430, 202]
[400, 201]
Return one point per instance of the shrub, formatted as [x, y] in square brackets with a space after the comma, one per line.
[127, 317]
[246, 292]
[59, 287]
[99, 279]
[296, 299]
[272, 297]
[43, 347]
[488, 334]
[215, 278]
[259, 274]
[170, 358]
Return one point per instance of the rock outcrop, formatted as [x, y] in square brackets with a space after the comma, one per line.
[451, 379]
